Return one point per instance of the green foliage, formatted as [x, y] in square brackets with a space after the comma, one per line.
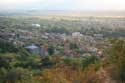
[51, 50]
[15, 75]
[57, 29]
[47, 62]
[3, 74]
[6, 60]
[33, 62]
[73, 62]
[18, 74]
[73, 46]
[6, 46]
[23, 54]
[117, 58]
[67, 60]
[12, 66]
[89, 60]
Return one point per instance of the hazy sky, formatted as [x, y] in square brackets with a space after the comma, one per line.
[63, 4]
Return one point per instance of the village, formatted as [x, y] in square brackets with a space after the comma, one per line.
[75, 44]
[73, 37]
[61, 49]
[38, 35]
[62, 41]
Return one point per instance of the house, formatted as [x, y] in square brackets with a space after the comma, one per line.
[98, 36]
[36, 50]
[66, 47]
[23, 34]
[7, 35]
[77, 35]
[36, 25]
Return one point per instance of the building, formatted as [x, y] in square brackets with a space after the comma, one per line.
[23, 34]
[36, 25]
[77, 36]
[98, 36]
[66, 47]
[36, 50]
[7, 35]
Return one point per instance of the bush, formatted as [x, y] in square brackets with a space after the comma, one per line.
[47, 62]
[89, 60]
[18, 75]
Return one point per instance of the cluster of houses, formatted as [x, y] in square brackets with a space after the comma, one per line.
[28, 39]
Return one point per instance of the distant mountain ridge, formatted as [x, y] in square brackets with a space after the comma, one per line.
[63, 13]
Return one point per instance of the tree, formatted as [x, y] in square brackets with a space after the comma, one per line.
[15, 75]
[46, 62]
[3, 73]
[6, 46]
[117, 59]
[6, 60]
[51, 50]
[18, 75]
[73, 46]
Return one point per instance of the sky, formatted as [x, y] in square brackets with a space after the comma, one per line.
[84, 5]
